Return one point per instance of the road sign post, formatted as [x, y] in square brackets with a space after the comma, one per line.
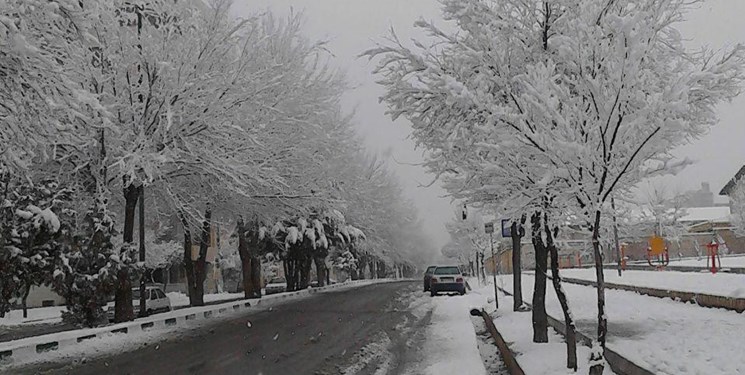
[489, 228]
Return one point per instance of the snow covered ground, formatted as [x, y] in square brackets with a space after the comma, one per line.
[52, 314]
[664, 336]
[720, 284]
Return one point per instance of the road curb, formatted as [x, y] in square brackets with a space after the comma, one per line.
[513, 367]
[701, 299]
[12, 351]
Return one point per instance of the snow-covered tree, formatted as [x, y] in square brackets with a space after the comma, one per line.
[737, 206]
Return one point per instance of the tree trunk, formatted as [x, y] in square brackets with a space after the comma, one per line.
[246, 267]
[482, 269]
[540, 319]
[191, 278]
[143, 297]
[200, 271]
[123, 310]
[246, 279]
[571, 339]
[256, 275]
[305, 265]
[320, 270]
[517, 285]
[597, 356]
[287, 268]
[26, 291]
[166, 272]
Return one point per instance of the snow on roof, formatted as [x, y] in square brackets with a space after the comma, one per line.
[712, 214]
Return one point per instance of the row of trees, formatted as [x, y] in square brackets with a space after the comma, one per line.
[552, 108]
[216, 120]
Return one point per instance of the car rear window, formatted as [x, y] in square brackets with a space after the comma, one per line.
[447, 271]
[430, 269]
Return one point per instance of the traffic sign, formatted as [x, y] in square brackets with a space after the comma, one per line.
[506, 228]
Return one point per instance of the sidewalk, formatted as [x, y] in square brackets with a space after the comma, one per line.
[663, 336]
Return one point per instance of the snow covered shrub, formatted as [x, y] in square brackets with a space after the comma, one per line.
[87, 273]
[30, 235]
[346, 262]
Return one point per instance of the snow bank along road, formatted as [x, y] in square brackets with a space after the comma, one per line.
[375, 329]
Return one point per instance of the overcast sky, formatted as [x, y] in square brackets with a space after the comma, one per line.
[351, 26]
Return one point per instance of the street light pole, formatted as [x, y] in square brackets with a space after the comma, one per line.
[494, 271]
[615, 236]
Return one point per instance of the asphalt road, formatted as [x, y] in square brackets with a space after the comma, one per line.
[356, 331]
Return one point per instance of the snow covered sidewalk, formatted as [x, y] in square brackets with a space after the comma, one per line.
[720, 284]
[663, 336]
[451, 344]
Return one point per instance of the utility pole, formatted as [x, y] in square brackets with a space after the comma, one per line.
[489, 228]
[615, 235]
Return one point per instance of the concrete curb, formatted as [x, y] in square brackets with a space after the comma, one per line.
[38, 345]
[513, 367]
[618, 363]
[704, 300]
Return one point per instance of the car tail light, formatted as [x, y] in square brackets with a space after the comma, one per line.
[460, 279]
[434, 279]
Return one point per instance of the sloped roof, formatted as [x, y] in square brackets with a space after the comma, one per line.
[727, 189]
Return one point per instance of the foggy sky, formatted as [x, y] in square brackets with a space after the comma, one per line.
[352, 26]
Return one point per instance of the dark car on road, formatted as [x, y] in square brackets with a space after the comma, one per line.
[447, 279]
[427, 275]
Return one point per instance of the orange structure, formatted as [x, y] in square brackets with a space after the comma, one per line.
[657, 252]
